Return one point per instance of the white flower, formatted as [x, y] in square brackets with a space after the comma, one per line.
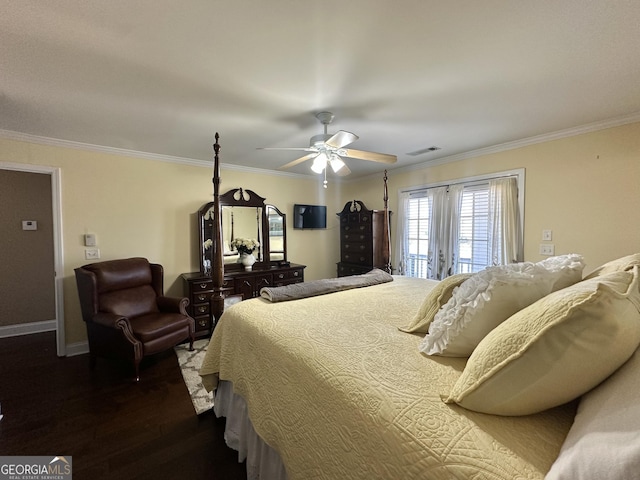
[245, 245]
[207, 244]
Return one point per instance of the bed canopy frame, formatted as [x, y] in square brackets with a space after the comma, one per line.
[217, 264]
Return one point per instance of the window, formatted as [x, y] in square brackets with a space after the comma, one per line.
[473, 237]
[460, 228]
[418, 236]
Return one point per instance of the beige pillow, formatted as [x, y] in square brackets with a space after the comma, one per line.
[490, 297]
[436, 298]
[554, 350]
[617, 265]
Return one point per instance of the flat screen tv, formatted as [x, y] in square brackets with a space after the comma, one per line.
[309, 216]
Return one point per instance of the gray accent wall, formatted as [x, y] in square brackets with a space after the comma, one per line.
[27, 276]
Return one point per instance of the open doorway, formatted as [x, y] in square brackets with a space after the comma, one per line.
[32, 271]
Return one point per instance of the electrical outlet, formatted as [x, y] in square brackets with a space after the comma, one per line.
[546, 235]
[91, 253]
[547, 249]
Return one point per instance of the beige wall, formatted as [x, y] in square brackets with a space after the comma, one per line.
[585, 188]
[141, 207]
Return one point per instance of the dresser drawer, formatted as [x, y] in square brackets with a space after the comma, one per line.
[201, 309]
[200, 297]
[360, 258]
[298, 273]
[354, 236]
[203, 324]
[203, 285]
[265, 280]
[249, 286]
[345, 269]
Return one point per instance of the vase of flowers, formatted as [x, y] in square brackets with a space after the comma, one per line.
[246, 247]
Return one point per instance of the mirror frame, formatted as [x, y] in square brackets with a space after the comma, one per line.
[238, 197]
[284, 232]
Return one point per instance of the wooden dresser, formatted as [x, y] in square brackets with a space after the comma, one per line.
[199, 288]
[364, 239]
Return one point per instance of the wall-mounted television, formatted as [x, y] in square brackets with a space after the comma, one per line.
[309, 216]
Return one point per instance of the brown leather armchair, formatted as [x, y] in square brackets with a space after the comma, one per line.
[126, 313]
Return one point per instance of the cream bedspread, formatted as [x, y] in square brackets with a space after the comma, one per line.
[333, 386]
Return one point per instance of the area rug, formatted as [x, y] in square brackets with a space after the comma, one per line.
[190, 363]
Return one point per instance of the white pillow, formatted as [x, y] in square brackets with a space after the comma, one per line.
[567, 269]
[490, 297]
[604, 439]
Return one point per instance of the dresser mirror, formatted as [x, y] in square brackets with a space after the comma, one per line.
[277, 234]
[243, 215]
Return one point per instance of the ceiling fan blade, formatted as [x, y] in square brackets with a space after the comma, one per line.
[300, 149]
[341, 139]
[299, 160]
[372, 156]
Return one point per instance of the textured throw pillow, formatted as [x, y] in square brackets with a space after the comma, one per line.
[567, 269]
[620, 264]
[554, 350]
[435, 299]
[603, 441]
[490, 297]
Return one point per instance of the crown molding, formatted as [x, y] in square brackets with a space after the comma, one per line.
[546, 137]
[56, 142]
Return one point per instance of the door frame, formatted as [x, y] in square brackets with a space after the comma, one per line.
[58, 258]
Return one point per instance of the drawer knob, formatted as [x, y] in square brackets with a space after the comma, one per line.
[296, 274]
[202, 309]
[202, 297]
[202, 323]
[203, 286]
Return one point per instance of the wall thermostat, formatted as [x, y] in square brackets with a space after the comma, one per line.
[29, 225]
[90, 240]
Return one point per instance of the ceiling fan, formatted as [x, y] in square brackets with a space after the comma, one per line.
[329, 149]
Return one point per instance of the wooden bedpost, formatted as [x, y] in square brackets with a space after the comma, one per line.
[217, 267]
[387, 226]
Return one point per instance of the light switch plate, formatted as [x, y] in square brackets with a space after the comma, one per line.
[547, 249]
[91, 253]
[546, 235]
[29, 225]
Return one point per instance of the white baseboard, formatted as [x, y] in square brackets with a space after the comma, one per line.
[27, 328]
[78, 348]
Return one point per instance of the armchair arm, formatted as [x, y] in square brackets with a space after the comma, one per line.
[111, 320]
[173, 304]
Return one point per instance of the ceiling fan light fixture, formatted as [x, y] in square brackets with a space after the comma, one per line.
[336, 163]
[319, 163]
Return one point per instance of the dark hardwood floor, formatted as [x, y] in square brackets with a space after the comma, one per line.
[112, 427]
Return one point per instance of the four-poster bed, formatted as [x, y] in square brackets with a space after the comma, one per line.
[334, 386]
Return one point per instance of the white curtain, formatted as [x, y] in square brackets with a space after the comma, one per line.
[444, 231]
[402, 241]
[504, 221]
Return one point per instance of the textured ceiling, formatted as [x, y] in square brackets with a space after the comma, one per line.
[162, 76]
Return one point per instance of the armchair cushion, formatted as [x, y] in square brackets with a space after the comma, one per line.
[155, 325]
[129, 302]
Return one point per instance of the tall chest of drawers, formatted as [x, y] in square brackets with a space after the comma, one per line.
[364, 239]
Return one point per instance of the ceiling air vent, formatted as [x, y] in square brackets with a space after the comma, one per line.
[424, 150]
